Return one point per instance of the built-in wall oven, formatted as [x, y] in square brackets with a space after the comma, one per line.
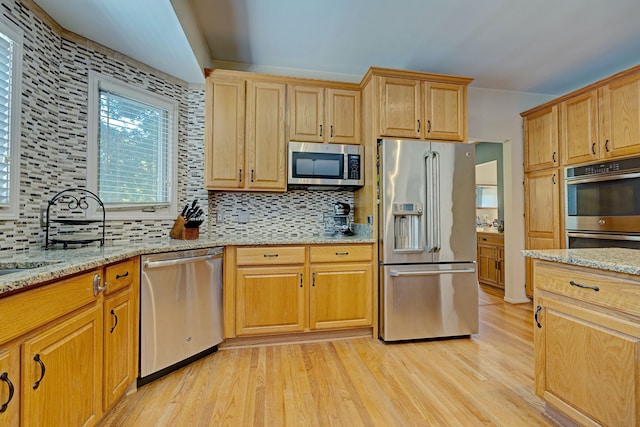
[602, 204]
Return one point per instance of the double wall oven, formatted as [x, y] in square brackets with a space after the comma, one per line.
[602, 204]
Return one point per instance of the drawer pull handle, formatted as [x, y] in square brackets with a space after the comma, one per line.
[572, 283]
[115, 316]
[5, 377]
[535, 316]
[37, 359]
[120, 276]
[342, 253]
[270, 255]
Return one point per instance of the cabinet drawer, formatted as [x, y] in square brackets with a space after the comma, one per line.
[613, 292]
[339, 253]
[491, 239]
[120, 275]
[270, 255]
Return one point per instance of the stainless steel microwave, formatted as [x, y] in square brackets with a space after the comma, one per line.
[320, 166]
[602, 204]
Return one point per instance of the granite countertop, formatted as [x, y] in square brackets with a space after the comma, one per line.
[612, 259]
[44, 265]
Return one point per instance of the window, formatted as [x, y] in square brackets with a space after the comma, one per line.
[10, 106]
[133, 150]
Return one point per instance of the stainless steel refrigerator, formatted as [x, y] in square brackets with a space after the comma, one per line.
[427, 240]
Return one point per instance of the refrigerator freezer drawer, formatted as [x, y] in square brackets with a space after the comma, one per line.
[428, 301]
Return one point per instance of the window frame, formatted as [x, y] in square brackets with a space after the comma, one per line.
[131, 211]
[12, 209]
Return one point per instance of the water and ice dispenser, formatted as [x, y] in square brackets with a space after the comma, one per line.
[406, 226]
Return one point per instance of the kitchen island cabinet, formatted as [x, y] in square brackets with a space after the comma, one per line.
[587, 336]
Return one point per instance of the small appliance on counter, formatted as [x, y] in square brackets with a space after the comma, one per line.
[339, 221]
[187, 225]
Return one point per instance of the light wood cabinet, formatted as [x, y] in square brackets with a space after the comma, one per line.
[579, 129]
[318, 114]
[491, 259]
[245, 140]
[285, 289]
[10, 386]
[61, 372]
[620, 117]
[75, 342]
[541, 139]
[586, 344]
[422, 109]
[542, 215]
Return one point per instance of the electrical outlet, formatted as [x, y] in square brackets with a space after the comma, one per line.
[43, 217]
[219, 216]
[243, 217]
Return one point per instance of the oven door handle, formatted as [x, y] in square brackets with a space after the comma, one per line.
[604, 236]
[573, 181]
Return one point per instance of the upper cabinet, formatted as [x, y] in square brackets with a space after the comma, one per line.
[541, 139]
[422, 109]
[598, 122]
[320, 114]
[245, 138]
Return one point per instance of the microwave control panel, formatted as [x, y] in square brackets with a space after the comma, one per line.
[353, 161]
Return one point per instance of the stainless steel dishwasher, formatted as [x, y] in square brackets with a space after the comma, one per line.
[180, 309]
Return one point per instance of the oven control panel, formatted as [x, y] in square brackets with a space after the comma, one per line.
[601, 168]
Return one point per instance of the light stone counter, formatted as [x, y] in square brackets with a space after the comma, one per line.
[45, 265]
[613, 259]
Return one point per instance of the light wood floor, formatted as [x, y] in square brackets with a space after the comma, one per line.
[483, 380]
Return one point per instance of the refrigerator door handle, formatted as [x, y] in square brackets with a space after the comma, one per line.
[394, 273]
[436, 203]
[428, 169]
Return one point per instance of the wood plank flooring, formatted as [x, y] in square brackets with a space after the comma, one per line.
[486, 379]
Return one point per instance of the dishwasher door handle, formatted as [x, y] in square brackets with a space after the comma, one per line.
[178, 261]
[394, 273]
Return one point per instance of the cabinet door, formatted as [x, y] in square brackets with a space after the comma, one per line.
[65, 362]
[500, 267]
[269, 299]
[445, 111]
[587, 364]
[224, 133]
[400, 108]
[487, 264]
[340, 296]
[542, 215]
[266, 140]
[541, 140]
[119, 346]
[620, 117]
[579, 129]
[343, 116]
[306, 113]
[10, 386]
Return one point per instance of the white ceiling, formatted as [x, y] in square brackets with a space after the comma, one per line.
[541, 46]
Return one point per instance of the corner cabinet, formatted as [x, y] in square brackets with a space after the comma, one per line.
[245, 140]
[586, 339]
[288, 289]
[422, 109]
[64, 354]
[320, 114]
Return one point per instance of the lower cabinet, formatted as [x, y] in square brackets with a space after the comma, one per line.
[586, 344]
[61, 370]
[71, 351]
[286, 289]
[491, 259]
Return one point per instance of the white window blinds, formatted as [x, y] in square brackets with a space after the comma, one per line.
[6, 76]
[134, 151]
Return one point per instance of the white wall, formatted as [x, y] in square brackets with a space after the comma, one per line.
[494, 116]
